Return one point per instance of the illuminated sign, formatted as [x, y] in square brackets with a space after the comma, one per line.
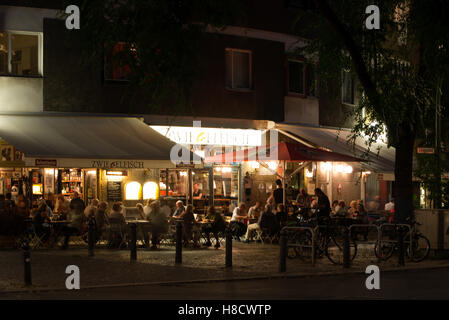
[122, 164]
[211, 136]
[45, 163]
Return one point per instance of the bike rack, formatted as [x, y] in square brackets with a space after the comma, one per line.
[312, 230]
[394, 225]
[372, 226]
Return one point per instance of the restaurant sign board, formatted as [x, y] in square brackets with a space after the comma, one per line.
[119, 164]
[46, 162]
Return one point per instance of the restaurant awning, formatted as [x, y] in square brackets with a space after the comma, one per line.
[69, 141]
[284, 151]
[379, 158]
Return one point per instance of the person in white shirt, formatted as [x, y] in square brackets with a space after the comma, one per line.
[389, 206]
[238, 216]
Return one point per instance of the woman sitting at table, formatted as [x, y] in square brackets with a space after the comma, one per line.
[217, 225]
[62, 207]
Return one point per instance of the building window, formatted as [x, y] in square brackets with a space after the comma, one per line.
[20, 54]
[116, 66]
[296, 77]
[347, 92]
[150, 190]
[132, 191]
[238, 69]
[301, 78]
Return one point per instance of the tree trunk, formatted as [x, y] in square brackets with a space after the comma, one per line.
[403, 174]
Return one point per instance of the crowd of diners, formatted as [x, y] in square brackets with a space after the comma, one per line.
[245, 220]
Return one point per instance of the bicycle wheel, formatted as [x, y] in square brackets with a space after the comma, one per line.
[334, 249]
[385, 251]
[420, 248]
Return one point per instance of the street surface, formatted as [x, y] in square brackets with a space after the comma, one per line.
[408, 284]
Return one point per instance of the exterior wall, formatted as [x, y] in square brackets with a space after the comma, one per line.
[431, 228]
[21, 94]
[24, 19]
[70, 86]
[301, 110]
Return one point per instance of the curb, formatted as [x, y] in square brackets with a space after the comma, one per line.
[267, 277]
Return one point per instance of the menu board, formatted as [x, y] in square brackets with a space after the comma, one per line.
[114, 190]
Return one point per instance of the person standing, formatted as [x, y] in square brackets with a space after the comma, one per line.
[323, 205]
[278, 193]
[248, 184]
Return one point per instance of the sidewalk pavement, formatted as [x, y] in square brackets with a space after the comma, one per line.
[113, 267]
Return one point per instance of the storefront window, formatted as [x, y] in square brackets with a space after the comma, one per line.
[132, 191]
[173, 183]
[226, 185]
[150, 190]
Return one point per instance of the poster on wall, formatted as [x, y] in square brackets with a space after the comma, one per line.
[114, 189]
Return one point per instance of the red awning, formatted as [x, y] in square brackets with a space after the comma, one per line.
[286, 151]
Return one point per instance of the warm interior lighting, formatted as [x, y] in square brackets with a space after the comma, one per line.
[218, 169]
[49, 171]
[226, 169]
[132, 191]
[150, 190]
[342, 168]
[92, 172]
[255, 165]
[183, 173]
[326, 166]
[37, 188]
[309, 174]
[273, 165]
[162, 186]
[114, 173]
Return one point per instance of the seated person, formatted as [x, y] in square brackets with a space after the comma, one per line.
[140, 210]
[179, 209]
[116, 214]
[101, 219]
[268, 221]
[255, 211]
[188, 223]
[340, 210]
[159, 223]
[41, 222]
[62, 207]
[281, 216]
[76, 225]
[217, 225]
[334, 204]
[238, 216]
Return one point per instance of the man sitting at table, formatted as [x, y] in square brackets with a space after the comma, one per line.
[254, 211]
[238, 216]
[101, 219]
[179, 209]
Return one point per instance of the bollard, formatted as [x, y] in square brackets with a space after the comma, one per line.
[283, 251]
[228, 248]
[346, 249]
[133, 245]
[401, 247]
[27, 263]
[91, 237]
[178, 257]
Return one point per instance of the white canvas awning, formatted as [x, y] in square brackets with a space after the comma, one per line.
[69, 141]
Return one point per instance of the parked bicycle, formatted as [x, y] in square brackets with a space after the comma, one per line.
[329, 239]
[417, 251]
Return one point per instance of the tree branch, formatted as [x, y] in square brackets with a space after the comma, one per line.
[354, 51]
